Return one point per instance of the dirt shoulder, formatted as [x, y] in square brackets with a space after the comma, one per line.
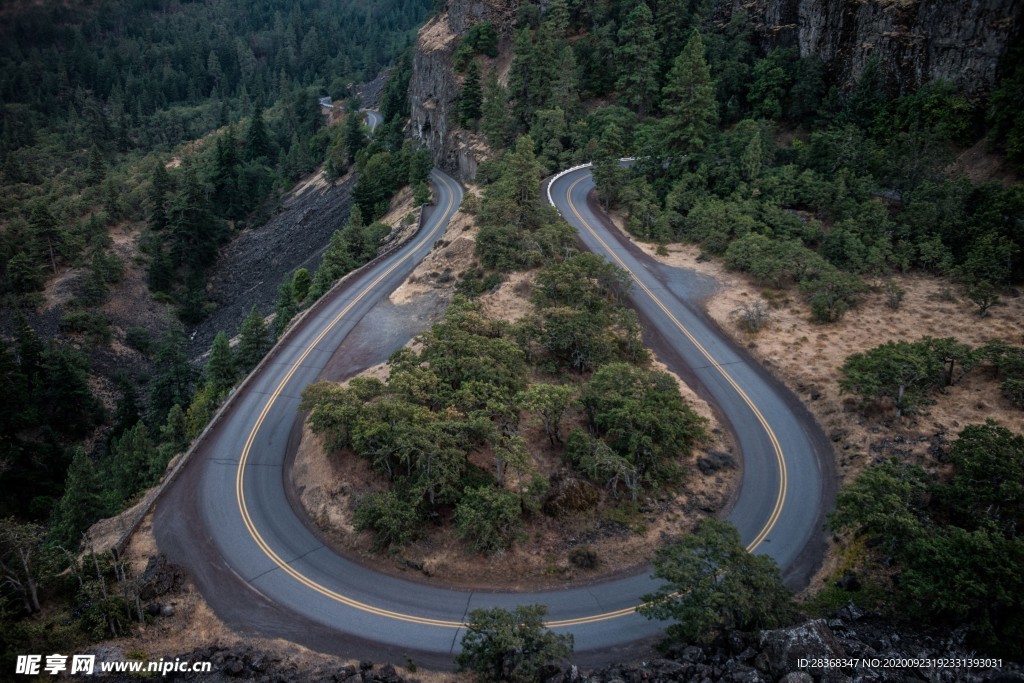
[807, 358]
[621, 536]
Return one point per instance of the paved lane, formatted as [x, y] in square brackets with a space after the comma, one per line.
[787, 476]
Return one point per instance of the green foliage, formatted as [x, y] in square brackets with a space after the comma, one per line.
[172, 379]
[831, 294]
[713, 584]
[885, 502]
[988, 484]
[609, 176]
[581, 320]
[512, 646]
[253, 342]
[550, 402]
[285, 309]
[903, 373]
[470, 101]
[1004, 113]
[221, 369]
[301, 282]
[518, 230]
[132, 464]
[689, 99]
[984, 295]
[637, 59]
[495, 121]
[642, 417]
[91, 324]
[954, 542]
[488, 518]
[82, 502]
[482, 39]
[391, 515]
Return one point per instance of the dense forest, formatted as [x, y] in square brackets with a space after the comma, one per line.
[180, 124]
[763, 160]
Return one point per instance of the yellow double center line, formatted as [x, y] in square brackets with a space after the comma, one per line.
[247, 449]
[781, 495]
[362, 606]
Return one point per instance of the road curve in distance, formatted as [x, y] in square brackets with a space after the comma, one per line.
[788, 472]
[373, 118]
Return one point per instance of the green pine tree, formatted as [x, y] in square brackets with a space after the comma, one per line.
[159, 191]
[220, 367]
[82, 502]
[637, 59]
[285, 308]
[470, 106]
[689, 99]
[253, 342]
[494, 117]
[257, 141]
[609, 177]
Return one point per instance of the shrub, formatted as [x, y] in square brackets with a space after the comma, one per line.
[392, 517]
[488, 518]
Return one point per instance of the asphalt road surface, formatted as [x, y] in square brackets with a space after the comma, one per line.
[788, 474]
[229, 517]
[373, 119]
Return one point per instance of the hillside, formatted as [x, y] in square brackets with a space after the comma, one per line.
[840, 167]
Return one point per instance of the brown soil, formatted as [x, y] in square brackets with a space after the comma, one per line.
[807, 358]
[439, 271]
[436, 35]
[622, 536]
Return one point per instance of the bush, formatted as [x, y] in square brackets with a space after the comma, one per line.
[713, 584]
[392, 517]
[488, 518]
[140, 339]
[584, 558]
[753, 317]
[512, 647]
[89, 323]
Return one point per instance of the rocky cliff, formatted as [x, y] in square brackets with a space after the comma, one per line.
[435, 85]
[917, 41]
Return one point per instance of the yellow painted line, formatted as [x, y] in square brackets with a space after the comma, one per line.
[781, 497]
[343, 599]
[247, 448]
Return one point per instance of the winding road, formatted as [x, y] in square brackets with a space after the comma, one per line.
[229, 516]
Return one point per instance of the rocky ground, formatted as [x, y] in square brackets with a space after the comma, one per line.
[775, 655]
[252, 266]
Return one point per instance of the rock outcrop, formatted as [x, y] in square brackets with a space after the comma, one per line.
[770, 657]
[917, 41]
[434, 85]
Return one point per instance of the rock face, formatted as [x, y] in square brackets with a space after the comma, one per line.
[434, 85]
[917, 41]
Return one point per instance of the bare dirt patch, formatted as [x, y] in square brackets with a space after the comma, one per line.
[439, 271]
[807, 358]
[620, 534]
[436, 35]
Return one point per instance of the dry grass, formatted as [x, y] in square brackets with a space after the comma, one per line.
[807, 357]
[623, 537]
[451, 256]
[436, 35]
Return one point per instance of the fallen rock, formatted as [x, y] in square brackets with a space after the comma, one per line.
[783, 648]
[160, 577]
